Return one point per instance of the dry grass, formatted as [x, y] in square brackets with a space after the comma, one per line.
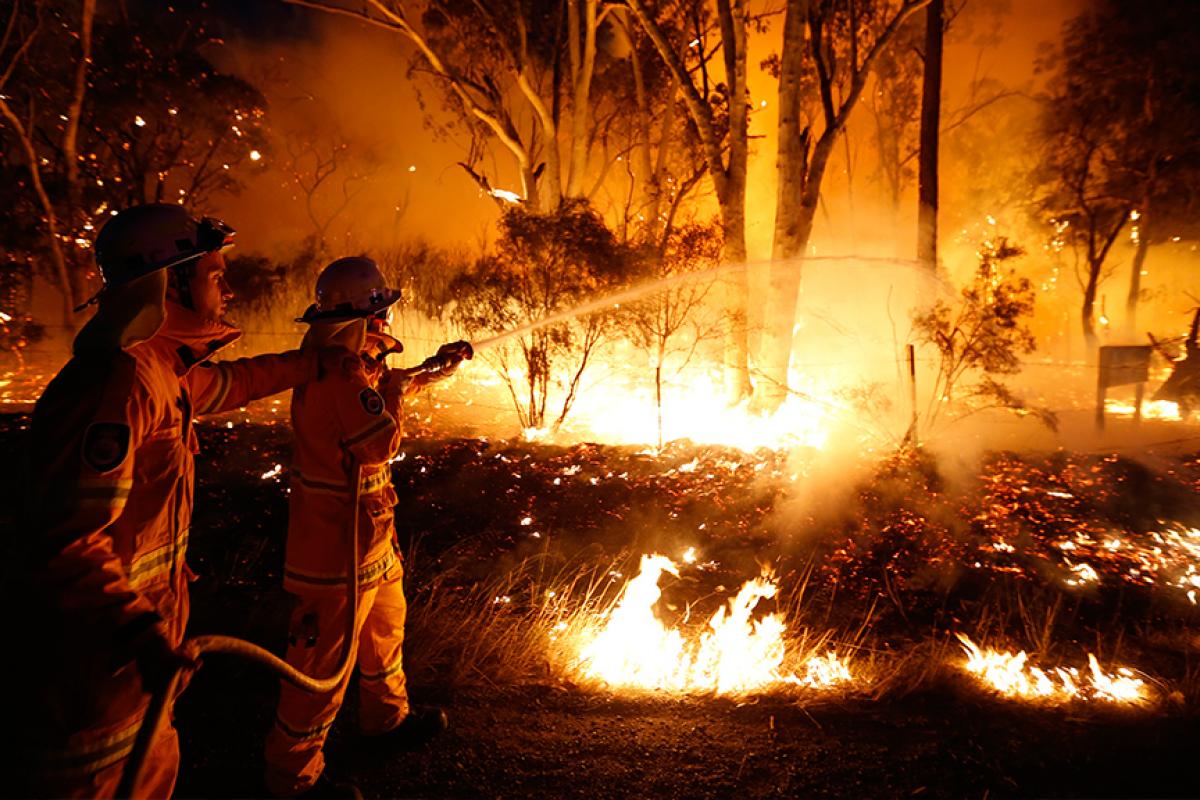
[526, 627]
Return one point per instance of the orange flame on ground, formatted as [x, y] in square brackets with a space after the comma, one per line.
[1151, 409]
[735, 654]
[1012, 676]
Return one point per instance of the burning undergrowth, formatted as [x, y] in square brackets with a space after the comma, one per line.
[691, 572]
[856, 607]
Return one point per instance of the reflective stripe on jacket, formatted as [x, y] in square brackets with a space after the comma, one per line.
[333, 420]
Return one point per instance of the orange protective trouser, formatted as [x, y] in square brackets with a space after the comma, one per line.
[159, 769]
[294, 747]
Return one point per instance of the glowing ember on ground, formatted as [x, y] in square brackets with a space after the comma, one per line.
[1013, 676]
[735, 654]
[1169, 557]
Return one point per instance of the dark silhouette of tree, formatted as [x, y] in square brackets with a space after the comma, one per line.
[1120, 123]
[148, 119]
[931, 115]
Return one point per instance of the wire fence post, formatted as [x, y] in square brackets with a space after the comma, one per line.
[912, 392]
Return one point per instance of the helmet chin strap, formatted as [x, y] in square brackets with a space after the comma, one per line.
[180, 279]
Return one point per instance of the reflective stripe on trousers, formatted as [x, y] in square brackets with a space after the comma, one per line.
[294, 746]
[92, 763]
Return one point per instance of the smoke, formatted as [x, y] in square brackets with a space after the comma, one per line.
[346, 116]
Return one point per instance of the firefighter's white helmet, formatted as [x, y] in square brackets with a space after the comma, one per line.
[350, 288]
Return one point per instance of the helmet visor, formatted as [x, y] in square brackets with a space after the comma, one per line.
[214, 235]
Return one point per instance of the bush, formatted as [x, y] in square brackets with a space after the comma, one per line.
[544, 267]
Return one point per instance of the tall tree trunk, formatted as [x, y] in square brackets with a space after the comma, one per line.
[583, 63]
[800, 176]
[732, 14]
[1145, 219]
[791, 229]
[737, 334]
[1088, 316]
[1135, 278]
[75, 111]
[799, 212]
[931, 109]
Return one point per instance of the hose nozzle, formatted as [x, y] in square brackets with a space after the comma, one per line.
[446, 359]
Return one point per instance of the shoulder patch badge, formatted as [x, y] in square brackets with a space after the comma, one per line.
[372, 403]
[105, 445]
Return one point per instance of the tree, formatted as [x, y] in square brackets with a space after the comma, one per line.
[544, 265]
[897, 96]
[931, 114]
[829, 48]
[660, 324]
[501, 64]
[1120, 145]
[982, 338]
[132, 122]
[720, 115]
[22, 85]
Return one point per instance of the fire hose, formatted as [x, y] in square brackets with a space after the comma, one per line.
[197, 646]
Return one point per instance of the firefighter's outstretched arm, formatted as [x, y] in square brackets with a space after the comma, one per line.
[226, 385]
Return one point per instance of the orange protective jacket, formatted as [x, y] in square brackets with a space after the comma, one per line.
[110, 492]
[338, 421]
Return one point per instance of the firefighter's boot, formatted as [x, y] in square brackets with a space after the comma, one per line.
[327, 788]
[418, 728]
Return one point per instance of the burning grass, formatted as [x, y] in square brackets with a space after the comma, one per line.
[1012, 675]
[628, 646]
[883, 588]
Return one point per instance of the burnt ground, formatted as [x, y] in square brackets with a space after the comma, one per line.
[525, 733]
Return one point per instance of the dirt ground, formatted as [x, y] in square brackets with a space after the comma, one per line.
[464, 503]
[543, 741]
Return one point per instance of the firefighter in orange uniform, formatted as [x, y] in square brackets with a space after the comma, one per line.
[111, 474]
[346, 420]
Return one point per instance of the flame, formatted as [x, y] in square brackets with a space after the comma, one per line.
[735, 654]
[699, 411]
[1012, 676]
[1151, 409]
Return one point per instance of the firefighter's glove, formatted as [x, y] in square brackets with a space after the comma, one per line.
[451, 355]
[335, 360]
[158, 662]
